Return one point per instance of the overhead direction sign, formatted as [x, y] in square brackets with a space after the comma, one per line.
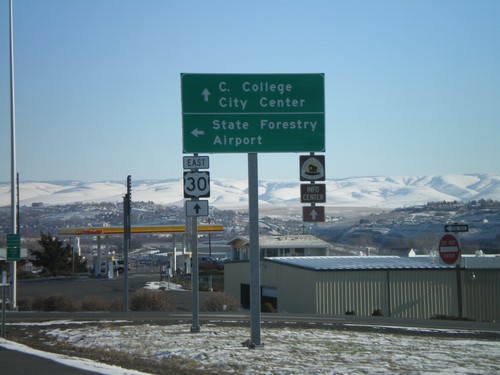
[242, 113]
[455, 228]
[449, 249]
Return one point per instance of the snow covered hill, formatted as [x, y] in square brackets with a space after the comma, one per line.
[383, 192]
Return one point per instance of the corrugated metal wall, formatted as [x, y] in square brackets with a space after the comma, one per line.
[423, 293]
[236, 273]
[481, 294]
[294, 287]
[343, 291]
[419, 294]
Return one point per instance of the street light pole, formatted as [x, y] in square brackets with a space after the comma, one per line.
[13, 264]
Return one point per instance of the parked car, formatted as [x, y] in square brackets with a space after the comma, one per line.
[209, 263]
[118, 265]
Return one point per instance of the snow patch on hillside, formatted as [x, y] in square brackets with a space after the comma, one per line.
[381, 192]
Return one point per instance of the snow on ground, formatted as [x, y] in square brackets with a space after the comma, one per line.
[80, 363]
[285, 350]
[290, 350]
[162, 285]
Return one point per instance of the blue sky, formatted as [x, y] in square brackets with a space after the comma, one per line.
[411, 87]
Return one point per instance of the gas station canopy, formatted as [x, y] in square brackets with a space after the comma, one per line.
[108, 231]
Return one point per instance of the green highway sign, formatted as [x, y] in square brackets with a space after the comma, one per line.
[13, 247]
[241, 113]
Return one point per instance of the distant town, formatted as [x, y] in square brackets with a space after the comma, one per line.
[351, 232]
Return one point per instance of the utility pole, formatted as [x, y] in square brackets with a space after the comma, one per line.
[209, 241]
[127, 199]
[13, 264]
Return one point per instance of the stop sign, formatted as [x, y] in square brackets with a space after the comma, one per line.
[449, 249]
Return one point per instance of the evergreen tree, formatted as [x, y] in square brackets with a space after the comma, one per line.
[55, 257]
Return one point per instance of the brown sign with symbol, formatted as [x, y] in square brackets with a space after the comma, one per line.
[312, 167]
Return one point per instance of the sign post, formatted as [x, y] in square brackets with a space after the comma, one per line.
[195, 282]
[312, 169]
[196, 185]
[4, 302]
[450, 253]
[253, 216]
[252, 113]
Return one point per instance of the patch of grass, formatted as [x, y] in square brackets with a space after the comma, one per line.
[151, 300]
[56, 302]
[219, 301]
[95, 303]
[25, 303]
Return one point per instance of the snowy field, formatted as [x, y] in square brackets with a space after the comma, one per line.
[285, 350]
[288, 350]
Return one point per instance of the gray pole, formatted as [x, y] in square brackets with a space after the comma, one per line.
[3, 283]
[127, 203]
[253, 213]
[195, 326]
[459, 280]
[126, 244]
[13, 265]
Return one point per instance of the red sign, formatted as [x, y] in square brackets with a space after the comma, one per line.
[449, 249]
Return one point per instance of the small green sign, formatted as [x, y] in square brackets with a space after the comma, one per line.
[241, 113]
[13, 247]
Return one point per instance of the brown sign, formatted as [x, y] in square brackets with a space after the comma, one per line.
[312, 167]
[312, 193]
[313, 213]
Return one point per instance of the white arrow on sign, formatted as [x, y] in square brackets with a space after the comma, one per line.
[313, 213]
[205, 94]
[456, 228]
[197, 132]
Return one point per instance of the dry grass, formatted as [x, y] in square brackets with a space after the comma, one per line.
[219, 301]
[142, 300]
[151, 300]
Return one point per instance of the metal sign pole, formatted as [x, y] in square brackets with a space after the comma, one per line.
[195, 325]
[459, 280]
[127, 202]
[253, 213]
[4, 302]
[13, 264]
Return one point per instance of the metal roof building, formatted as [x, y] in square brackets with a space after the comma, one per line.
[395, 286]
[356, 263]
[280, 246]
